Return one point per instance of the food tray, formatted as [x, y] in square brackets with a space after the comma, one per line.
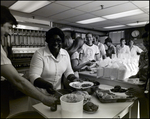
[119, 99]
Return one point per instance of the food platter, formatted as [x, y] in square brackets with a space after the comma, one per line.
[105, 96]
[81, 85]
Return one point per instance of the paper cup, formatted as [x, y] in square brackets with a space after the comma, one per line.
[71, 109]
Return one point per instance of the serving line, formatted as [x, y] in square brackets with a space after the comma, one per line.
[106, 110]
[107, 81]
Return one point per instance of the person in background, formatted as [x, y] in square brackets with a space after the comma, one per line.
[90, 50]
[122, 48]
[134, 50]
[10, 74]
[48, 64]
[95, 40]
[101, 48]
[75, 55]
[68, 41]
[144, 74]
[111, 48]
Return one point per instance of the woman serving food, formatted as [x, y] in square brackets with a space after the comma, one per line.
[48, 64]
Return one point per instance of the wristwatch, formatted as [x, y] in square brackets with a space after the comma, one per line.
[146, 93]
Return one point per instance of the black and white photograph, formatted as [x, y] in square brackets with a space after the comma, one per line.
[74, 59]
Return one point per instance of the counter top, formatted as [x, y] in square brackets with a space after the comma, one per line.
[106, 110]
[108, 81]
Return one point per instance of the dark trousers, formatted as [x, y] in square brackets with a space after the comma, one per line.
[5, 110]
[144, 107]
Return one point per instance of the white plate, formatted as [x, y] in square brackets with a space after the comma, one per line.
[81, 85]
[105, 87]
[76, 85]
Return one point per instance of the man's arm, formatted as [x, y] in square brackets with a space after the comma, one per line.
[97, 56]
[22, 84]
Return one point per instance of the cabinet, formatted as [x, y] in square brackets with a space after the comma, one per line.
[21, 44]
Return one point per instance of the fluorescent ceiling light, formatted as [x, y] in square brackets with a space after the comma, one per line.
[123, 14]
[93, 20]
[65, 29]
[137, 23]
[31, 20]
[19, 26]
[109, 27]
[28, 6]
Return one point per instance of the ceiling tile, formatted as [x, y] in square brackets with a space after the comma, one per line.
[115, 9]
[62, 22]
[81, 17]
[66, 14]
[72, 4]
[7, 3]
[50, 10]
[141, 4]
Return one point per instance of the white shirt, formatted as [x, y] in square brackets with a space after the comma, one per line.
[75, 56]
[124, 49]
[4, 60]
[101, 49]
[134, 50]
[45, 65]
[89, 52]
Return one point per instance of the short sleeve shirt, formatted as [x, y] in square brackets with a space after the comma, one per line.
[102, 49]
[75, 55]
[4, 60]
[124, 49]
[44, 64]
[89, 52]
[134, 50]
[111, 50]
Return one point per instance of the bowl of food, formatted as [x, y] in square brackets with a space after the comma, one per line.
[71, 105]
[90, 107]
[61, 92]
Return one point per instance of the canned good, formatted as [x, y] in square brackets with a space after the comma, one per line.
[54, 106]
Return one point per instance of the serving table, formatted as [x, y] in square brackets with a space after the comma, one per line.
[105, 110]
[107, 81]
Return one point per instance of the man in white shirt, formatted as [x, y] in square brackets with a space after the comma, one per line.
[122, 48]
[90, 50]
[101, 48]
[134, 50]
[11, 74]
